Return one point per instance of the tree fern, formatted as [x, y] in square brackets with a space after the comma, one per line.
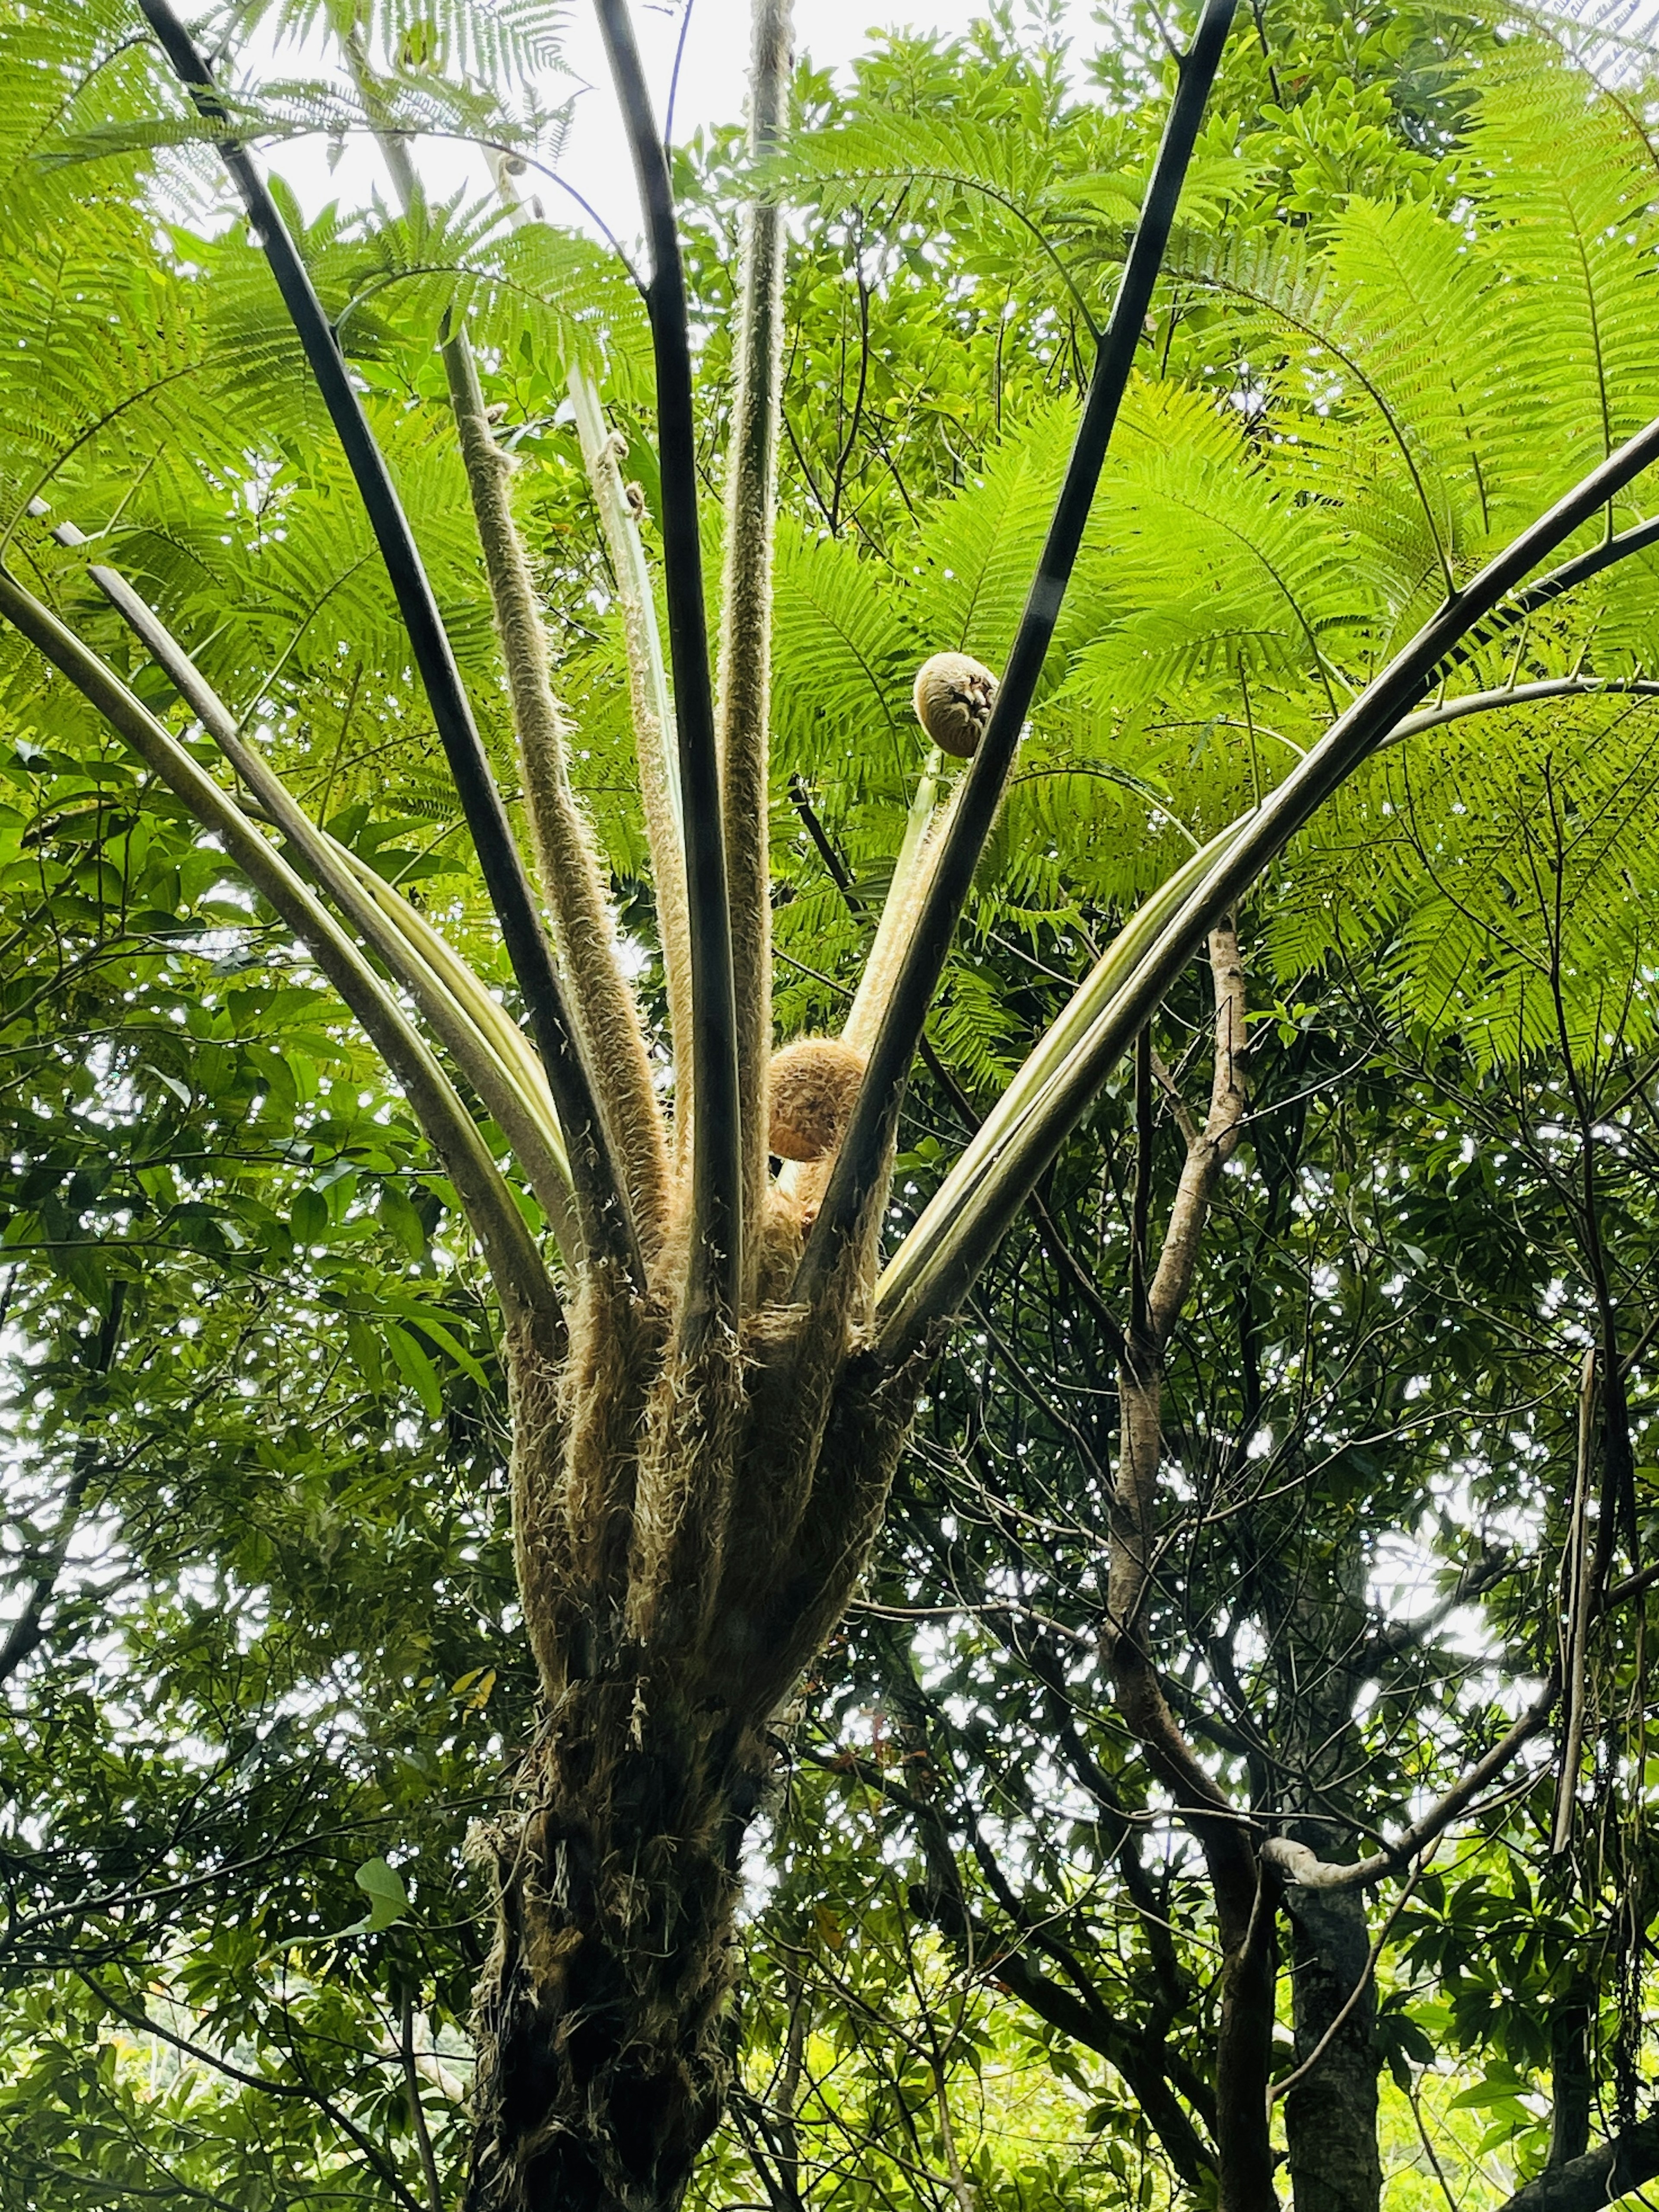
[1566, 190]
[1300, 475]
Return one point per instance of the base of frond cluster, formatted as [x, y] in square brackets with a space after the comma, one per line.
[688, 1534]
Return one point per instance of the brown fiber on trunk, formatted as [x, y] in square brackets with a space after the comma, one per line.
[685, 1542]
[602, 2068]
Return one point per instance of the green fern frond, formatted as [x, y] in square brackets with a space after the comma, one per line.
[1566, 189]
[974, 552]
[1204, 564]
[529, 291]
[493, 40]
[843, 663]
[1501, 870]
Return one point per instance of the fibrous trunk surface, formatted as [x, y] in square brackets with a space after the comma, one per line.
[602, 2068]
[688, 1530]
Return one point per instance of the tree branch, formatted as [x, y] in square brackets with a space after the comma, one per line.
[1402, 1637]
[1300, 1865]
[1214, 1145]
[1599, 2177]
[417, 2110]
[1581, 1595]
[303, 2090]
[27, 1632]
[1244, 1891]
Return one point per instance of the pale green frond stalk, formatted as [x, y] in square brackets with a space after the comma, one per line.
[653, 713]
[923, 830]
[584, 926]
[528, 1299]
[926, 821]
[424, 947]
[493, 1055]
[743, 687]
[464, 1016]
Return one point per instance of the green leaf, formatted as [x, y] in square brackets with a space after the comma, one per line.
[416, 1369]
[388, 1900]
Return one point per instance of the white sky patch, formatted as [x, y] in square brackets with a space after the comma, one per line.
[595, 161]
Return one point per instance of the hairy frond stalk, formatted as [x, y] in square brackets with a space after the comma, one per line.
[743, 690]
[713, 1248]
[652, 711]
[584, 926]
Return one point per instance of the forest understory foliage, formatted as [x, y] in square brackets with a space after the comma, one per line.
[761, 1453]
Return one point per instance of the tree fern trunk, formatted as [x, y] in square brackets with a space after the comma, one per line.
[686, 1534]
[602, 2062]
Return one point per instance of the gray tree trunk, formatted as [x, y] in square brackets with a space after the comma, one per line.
[1571, 2081]
[1330, 2118]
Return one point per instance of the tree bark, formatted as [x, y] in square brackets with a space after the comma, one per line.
[1584, 2184]
[1571, 2079]
[1330, 2116]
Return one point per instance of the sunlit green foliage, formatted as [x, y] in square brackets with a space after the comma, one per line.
[258, 1431]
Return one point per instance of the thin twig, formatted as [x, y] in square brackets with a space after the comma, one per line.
[1579, 1605]
[417, 2110]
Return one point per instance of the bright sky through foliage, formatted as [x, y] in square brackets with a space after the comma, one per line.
[710, 91]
